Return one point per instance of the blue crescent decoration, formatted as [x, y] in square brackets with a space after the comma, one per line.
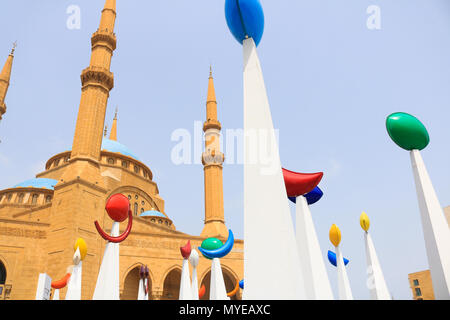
[311, 197]
[241, 284]
[245, 19]
[222, 251]
[332, 258]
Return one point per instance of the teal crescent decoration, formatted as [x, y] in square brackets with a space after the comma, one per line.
[407, 131]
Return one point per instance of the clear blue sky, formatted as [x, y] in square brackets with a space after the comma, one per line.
[331, 83]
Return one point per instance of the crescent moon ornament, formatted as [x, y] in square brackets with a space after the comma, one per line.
[222, 251]
[234, 291]
[299, 184]
[61, 283]
[332, 258]
[120, 238]
[311, 197]
[241, 284]
[245, 19]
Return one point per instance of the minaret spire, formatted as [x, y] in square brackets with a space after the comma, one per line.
[113, 134]
[5, 77]
[212, 160]
[97, 81]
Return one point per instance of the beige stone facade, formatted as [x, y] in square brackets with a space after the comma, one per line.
[41, 219]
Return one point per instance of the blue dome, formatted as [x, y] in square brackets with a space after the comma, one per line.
[153, 213]
[38, 183]
[116, 147]
[245, 18]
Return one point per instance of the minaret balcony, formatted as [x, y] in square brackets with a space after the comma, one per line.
[212, 124]
[106, 37]
[2, 109]
[97, 75]
[213, 158]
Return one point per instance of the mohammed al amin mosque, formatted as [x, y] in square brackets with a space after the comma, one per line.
[40, 219]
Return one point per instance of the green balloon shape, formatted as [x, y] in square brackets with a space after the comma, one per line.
[211, 244]
[407, 131]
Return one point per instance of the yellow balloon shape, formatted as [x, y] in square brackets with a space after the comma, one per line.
[364, 221]
[335, 235]
[81, 244]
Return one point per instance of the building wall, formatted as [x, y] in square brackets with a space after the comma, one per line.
[421, 285]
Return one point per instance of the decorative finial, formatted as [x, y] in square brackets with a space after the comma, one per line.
[106, 130]
[115, 115]
[14, 48]
[210, 71]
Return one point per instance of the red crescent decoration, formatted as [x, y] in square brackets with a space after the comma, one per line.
[120, 238]
[201, 292]
[186, 250]
[298, 184]
[235, 290]
[61, 283]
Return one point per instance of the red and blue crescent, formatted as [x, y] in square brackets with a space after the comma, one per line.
[299, 184]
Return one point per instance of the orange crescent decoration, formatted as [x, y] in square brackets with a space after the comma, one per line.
[61, 283]
[235, 290]
[201, 292]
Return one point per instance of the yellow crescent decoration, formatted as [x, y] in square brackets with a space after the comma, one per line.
[81, 244]
[335, 235]
[364, 221]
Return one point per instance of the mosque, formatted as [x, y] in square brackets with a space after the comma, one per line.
[40, 219]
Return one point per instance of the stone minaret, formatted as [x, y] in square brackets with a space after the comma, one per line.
[113, 134]
[80, 195]
[97, 81]
[212, 160]
[5, 77]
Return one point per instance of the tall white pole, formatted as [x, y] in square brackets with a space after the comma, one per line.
[317, 284]
[345, 292]
[435, 228]
[107, 287]
[185, 284]
[376, 282]
[217, 284]
[268, 227]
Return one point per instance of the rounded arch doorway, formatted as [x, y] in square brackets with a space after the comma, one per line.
[230, 284]
[171, 289]
[2, 273]
[131, 285]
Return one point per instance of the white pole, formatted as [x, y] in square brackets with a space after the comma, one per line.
[376, 282]
[107, 287]
[345, 292]
[185, 283]
[217, 285]
[317, 284]
[435, 229]
[268, 227]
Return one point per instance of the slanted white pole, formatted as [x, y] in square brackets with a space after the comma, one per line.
[345, 292]
[265, 195]
[435, 228]
[56, 295]
[107, 287]
[194, 260]
[185, 284]
[376, 282]
[74, 285]
[317, 284]
[44, 287]
[141, 292]
[217, 285]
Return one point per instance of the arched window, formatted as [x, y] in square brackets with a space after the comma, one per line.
[145, 174]
[34, 198]
[56, 163]
[142, 210]
[110, 161]
[125, 164]
[2, 273]
[20, 199]
[9, 197]
[136, 169]
[48, 199]
[136, 208]
[160, 221]
[1, 198]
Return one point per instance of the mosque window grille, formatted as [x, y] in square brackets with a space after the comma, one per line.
[137, 169]
[111, 161]
[143, 203]
[56, 162]
[48, 199]
[136, 206]
[142, 210]
[160, 221]
[10, 197]
[125, 164]
[34, 198]
[20, 198]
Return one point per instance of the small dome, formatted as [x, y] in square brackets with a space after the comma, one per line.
[153, 213]
[116, 147]
[38, 183]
